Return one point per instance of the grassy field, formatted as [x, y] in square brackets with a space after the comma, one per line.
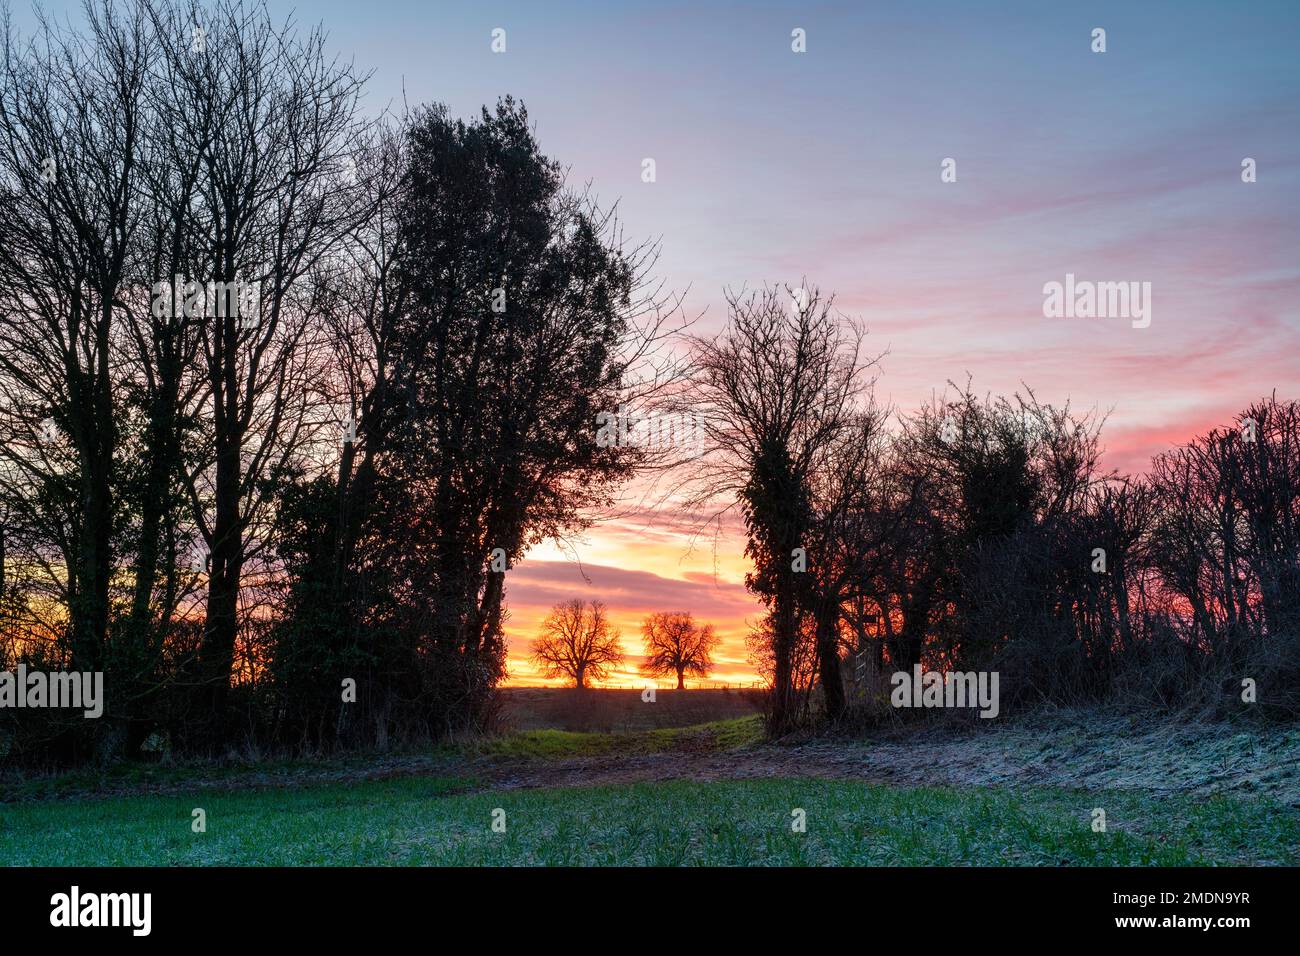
[439, 808]
[718, 735]
[606, 710]
[415, 821]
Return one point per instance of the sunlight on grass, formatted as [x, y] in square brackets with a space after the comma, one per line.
[546, 744]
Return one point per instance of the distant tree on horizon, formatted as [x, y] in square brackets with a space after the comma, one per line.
[675, 644]
[578, 642]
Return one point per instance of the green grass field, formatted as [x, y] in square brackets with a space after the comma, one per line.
[552, 744]
[437, 807]
[420, 820]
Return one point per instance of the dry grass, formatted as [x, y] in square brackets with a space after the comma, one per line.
[620, 711]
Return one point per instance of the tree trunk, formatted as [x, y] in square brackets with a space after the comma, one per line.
[90, 612]
[828, 660]
[216, 656]
[162, 455]
[785, 621]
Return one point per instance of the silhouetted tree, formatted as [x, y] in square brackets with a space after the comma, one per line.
[578, 642]
[273, 117]
[676, 645]
[775, 390]
[852, 527]
[497, 315]
[72, 123]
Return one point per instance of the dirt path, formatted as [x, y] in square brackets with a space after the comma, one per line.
[1173, 758]
[763, 761]
[1068, 749]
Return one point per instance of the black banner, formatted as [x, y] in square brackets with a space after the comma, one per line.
[333, 906]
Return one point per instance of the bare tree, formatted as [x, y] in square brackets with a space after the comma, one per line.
[676, 645]
[760, 645]
[1227, 535]
[775, 389]
[578, 642]
[71, 125]
[1268, 448]
[851, 528]
[273, 119]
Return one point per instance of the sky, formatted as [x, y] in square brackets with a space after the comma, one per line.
[774, 166]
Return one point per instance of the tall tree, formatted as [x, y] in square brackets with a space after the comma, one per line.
[524, 318]
[273, 119]
[486, 317]
[72, 113]
[776, 389]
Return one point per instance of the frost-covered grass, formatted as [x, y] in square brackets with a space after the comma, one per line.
[1022, 793]
[431, 821]
[1103, 750]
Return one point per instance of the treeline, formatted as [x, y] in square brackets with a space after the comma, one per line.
[284, 390]
[982, 534]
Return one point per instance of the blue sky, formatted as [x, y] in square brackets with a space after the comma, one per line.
[772, 166]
